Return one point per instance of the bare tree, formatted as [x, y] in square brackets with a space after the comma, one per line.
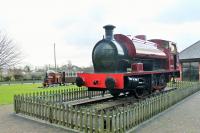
[9, 53]
[69, 65]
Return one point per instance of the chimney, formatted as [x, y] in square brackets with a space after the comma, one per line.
[109, 31]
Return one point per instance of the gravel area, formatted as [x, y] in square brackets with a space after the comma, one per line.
[10, 123]
[183, 118]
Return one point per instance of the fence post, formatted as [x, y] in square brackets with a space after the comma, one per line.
[91, 121]
[102, 121]
[108, 122]
[81, 120]
[86, 121]
[71, 117]
[63, 114]
[76, 118]
[50, 114]
[96, 121]
[15, 103]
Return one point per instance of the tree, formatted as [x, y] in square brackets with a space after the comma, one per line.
[27, 69]
[9, 53]
[1, 75]
[88, 69]
[69, 65]
[15, 73]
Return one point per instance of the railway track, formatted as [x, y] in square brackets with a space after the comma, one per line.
[111, 104]
[89, 100]
[108, 102]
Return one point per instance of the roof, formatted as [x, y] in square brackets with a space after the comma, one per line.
[51, 71]
[190, 53]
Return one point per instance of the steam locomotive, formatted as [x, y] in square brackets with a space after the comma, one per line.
[131, 64]
[53, 78]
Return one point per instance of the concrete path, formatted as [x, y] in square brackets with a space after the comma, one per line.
[183, 118]
[10, 123]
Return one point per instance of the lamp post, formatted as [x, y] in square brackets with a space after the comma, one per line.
[55, 57]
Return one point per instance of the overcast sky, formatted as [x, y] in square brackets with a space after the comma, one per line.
[76, 25]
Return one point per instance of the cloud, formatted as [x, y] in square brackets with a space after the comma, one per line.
[181, 11]
[184, 34]
[75, 26]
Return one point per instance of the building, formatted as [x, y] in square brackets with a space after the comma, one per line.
[190, 62]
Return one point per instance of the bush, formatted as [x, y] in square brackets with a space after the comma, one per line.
[7, 78]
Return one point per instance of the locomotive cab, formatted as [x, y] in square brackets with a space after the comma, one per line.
[171, 51]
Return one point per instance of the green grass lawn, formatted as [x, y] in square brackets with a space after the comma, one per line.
[8, 91]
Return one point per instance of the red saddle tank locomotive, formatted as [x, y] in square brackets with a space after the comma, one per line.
[130, 64]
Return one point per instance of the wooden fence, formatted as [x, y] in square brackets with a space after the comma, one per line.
[119, 120]
[58, 96]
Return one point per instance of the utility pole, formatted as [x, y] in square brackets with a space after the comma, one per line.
[55, 56]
